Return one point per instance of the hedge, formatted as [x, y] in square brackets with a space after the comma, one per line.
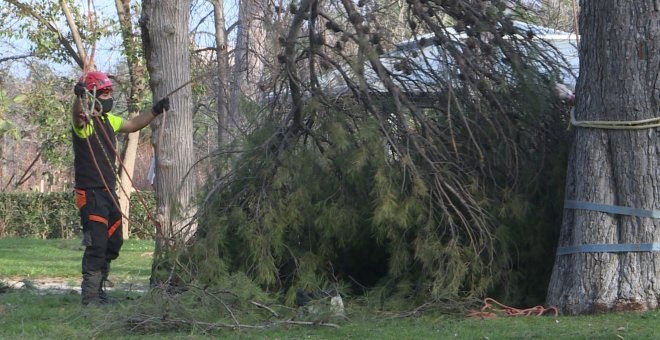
[54, 215]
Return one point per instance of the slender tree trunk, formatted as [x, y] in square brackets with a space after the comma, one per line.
[619, 70]
[126, 187]
[165, 40]
[2, 162]
[222, 93]
[137, 89]
[248, 53]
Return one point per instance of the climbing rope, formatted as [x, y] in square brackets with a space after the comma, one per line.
[492, 308]
[616, 124]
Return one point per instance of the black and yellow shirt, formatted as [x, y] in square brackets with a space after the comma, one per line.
[96, 141]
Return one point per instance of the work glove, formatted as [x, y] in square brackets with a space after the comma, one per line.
[79, 89]
[161, 106]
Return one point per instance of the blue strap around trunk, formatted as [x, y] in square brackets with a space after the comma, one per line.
[610, 248]
[612, 209]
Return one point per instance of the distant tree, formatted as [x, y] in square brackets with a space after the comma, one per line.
[7, 126]
[558, 14]
[251, 47]
[222, 59]
[36, 109]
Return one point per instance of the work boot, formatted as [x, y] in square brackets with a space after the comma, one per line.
[90, 287]
[104, 278]
[103, 295]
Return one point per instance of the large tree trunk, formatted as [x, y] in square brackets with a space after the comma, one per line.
[165, 40]
[137, 88]
[619, 70]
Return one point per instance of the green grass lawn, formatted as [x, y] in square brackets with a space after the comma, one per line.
[32, 314]
[33, 259]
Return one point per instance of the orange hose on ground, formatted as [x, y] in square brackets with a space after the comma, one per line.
[492, 308]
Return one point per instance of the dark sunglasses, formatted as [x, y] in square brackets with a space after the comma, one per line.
[103, 92]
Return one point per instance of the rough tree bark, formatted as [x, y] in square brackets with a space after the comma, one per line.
[165, 40]
[619, 70]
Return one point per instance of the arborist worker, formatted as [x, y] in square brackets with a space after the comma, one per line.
[565, 94]
[94, 143]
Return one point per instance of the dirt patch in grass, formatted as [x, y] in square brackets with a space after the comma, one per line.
[64, 285]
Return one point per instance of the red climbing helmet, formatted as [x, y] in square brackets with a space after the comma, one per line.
[97, 79]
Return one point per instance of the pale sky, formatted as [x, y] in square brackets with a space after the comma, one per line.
[108, 50]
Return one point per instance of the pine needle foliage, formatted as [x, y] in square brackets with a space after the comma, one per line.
[382, 187]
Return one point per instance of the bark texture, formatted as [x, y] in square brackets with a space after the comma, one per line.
[165, 41]
[619, 68]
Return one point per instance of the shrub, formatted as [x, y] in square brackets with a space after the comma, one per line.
[54, 215]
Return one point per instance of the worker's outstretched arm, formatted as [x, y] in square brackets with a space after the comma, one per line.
[139, 122]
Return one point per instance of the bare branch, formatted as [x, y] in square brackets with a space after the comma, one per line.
[27, 10]
[74, 29]
[18, 57]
